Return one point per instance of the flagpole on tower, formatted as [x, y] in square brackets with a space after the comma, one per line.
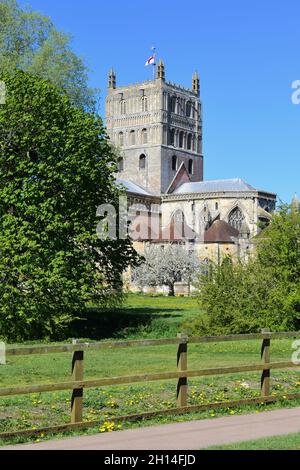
[154, 63]
[151, 61]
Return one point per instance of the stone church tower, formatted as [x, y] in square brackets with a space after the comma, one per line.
[157, 127]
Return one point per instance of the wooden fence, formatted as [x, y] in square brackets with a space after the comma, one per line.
[78, 384]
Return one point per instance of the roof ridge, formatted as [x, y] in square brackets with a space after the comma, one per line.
[229, 184]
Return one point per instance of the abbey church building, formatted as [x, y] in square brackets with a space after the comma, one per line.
[157, 128]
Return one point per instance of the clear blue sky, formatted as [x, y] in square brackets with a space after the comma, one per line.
[246, 52]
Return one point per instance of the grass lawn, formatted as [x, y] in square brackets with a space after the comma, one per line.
[286, 442]
[141, 317]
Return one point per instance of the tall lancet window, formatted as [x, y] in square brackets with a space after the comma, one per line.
[144, 136]
[188, 109]
[172, 104]
[132, 137]
[121, 164]
[142, 162]
[174, 163]
[181, 136]
[172, 137]
[144, 104]
[123, 107]
[121, 139]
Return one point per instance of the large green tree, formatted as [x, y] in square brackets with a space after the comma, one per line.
[56, 168]
[30, 42]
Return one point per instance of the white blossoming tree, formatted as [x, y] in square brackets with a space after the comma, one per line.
[164, 265]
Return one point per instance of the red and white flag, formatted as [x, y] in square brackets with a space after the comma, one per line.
[151, 60]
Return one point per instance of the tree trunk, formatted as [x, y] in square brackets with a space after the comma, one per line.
[171, 290]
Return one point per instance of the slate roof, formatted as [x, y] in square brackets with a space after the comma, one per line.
[220, 232]
[235, 184]
[133, 187]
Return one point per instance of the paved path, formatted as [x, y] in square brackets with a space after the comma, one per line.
[191, 435]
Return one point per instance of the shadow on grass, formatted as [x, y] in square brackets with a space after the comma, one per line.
[99, 323]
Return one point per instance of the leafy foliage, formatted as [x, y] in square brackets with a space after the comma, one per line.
[30, 42]
[56, 168]
[241, 298]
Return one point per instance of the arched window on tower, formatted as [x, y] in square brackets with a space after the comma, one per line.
[191, 167]
[172, 137]
[132, 137]
[236, 218]
[144, 104]
[173, 104]
[144, 136]
[181, 139]
[123, 107]
[142, 162]
[188, 109]
[121, 139]
[189, 142]
[174, 163]
[121, 164]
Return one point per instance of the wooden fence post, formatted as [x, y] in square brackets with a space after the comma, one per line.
[182, 387]
[77, 394]
[265, 355]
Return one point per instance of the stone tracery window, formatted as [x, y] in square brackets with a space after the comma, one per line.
[236, 218]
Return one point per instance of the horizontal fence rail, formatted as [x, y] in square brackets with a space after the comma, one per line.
[182, 374]
[68, 348]
[104, 382]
